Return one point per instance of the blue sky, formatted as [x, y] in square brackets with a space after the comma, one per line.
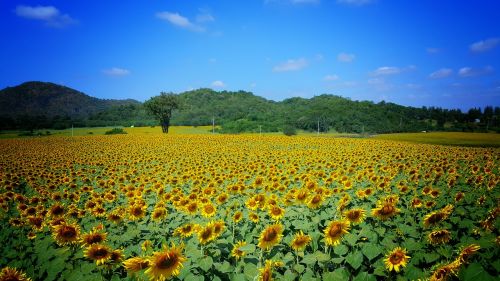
[435, 53]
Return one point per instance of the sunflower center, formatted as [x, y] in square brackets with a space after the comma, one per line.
[335, 230]
[270, 234]
[167, 261]
[276, 211]
[68, 232]
[206, 233]
[95, 239]
[435, 218]
[396, 258]
[316, 199]
[353, 215]
[387, 209]
[100, 253]
[137, 211]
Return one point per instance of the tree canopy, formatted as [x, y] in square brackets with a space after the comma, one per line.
[161, 107]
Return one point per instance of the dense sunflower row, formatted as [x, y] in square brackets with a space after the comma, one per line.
[239, 207]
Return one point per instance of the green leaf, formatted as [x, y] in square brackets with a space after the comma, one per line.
[248, 248]
[351, 239]
[308, 275]
[431, 257]
[289, 275]
[225, 267]
[364, 276]
[412, 245]
[371, 251]
[414, 273]
[250, 271]
[321, 257]
[340, 249]
[299, 268]
[309, 260]
[355, 259]
[337, 274]
[476, 272]
[206, 263]
[192, 276]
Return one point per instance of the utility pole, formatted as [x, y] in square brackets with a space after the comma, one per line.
[72, 130]
[213, 124]
[260, 130]
[318, 127]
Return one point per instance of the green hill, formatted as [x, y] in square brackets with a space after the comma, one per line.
[36, 105]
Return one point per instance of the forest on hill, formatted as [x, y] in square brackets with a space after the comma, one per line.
[41, 105]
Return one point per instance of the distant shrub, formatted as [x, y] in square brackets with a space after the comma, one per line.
[26, 134]
[90, 133]
[115, 131]
[289, 130]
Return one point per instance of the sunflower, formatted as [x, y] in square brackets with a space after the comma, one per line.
[302, 195]
[385, 211]
[253, 217]
[146, 245]
[135, 264]
[266, 273]
[93, 237]
[315, 202]
[185, 230]
[236, 252]
[115, 216]
[192, 207]
[116, 256]
[98, 253]
[416, 203]
[335, 230]
[237, 216]
[208, 210]
[439, 236]
[437, 216]
[300, 241]
[443, 272]
[218, 227]
[66, 234]
[206, 234]
[467, 252]
[56, 210]
[12, 274]
[159, 213]
[165, 264]
[355, 215]
[396, 258]
[136, 211]
[276, 212]
[270, 236]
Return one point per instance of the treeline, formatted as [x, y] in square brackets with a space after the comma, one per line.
[38, 105]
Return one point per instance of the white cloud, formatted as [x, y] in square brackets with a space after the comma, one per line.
[441, 73]
[291, 65]
[375, 81]
[355, 2]
[116, 71]
[391, 70]
[48, 14]
[471, 72]
[345, 57]
[204, 16]
[180, 21]
[484, 45]
[331, 77]
[218, 84]
[386, 70]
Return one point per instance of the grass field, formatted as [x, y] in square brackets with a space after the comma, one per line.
[446, 138]
[150, 206]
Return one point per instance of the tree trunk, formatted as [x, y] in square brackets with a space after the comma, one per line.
[165, 123]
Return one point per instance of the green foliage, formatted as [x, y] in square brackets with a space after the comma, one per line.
[162, 107]
[289, 130]
[115, 131]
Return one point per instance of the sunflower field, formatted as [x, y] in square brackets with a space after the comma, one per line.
[246, 207]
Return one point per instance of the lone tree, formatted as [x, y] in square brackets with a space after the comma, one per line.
[161, 107]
